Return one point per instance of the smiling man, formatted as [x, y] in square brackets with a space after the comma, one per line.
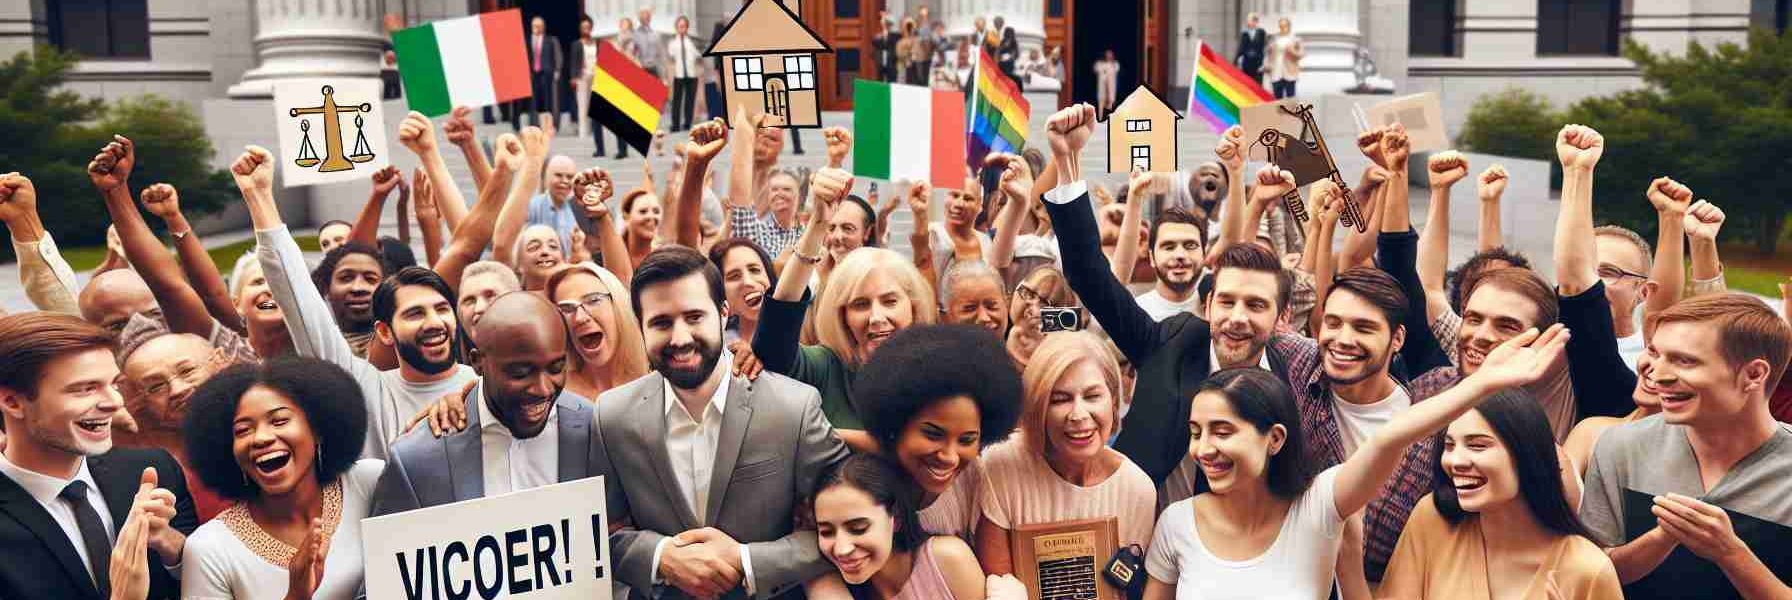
[347, 275]
[1178, 244]
[554, 207]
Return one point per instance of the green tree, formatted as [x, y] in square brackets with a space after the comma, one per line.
[1511, 122]
[53, 132]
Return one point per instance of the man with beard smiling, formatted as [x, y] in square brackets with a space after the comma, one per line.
[414, 310]
[521, 432]
[1178, 248]
[730, 457]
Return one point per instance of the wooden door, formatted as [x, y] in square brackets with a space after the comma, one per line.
[847, 26]
[1155, 32]
[1058, 16]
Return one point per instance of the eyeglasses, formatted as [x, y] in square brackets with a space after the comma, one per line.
[1612, 274]
[591, 303]
[190, 375]
[1026, 293]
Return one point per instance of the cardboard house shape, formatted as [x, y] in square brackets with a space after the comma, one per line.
[768, 65]
[1142, 133]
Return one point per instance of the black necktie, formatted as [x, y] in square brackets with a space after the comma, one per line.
[93, 535]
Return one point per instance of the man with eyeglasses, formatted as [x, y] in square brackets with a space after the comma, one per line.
[161, 371]
[1624, 261]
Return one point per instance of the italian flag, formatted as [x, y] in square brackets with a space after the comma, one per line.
[908, 132]
[470, 61]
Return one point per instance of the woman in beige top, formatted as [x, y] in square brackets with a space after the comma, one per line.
[1059, 467]
[1498, 514]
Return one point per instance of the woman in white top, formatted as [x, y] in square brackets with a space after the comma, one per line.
[1285, 52]
[1107, 80]
[588, 66]
[1059, 467]
[282, 439]
[1267, 528]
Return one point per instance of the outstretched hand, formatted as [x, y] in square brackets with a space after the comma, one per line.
[1523, 359]
[111, 168]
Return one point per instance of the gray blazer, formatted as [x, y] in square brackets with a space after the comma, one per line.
[774, 444]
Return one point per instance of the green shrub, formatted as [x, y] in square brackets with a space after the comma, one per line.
[1511, 122]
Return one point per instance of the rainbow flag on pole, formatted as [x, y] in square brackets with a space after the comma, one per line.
[1220, 90]
[997, 113]
[625, 98]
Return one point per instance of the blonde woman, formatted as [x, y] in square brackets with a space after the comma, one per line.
[1059, 467]
[1044, 287]
[870, 296]
[607, 349]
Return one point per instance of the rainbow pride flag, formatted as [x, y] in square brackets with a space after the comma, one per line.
[1220, 90]
[997, 113]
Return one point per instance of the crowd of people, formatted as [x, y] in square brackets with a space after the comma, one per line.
[916, 50]
[784, 406]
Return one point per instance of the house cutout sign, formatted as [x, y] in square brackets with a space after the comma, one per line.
[1142, 133]
[768, 65]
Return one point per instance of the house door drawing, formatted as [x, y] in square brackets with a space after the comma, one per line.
[1141, 157]
[777, 102]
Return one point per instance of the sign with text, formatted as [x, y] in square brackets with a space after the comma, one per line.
[547, 542]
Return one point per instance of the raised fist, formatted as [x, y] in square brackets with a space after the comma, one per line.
[707, 140]
[162, 201]
[1069, 129]
[1579, 147]
[417, 133]
[254, 169]
[918, 196]
[1369, 143]
[112, 166]
[839, 142]
[18, 197]
[596, 188]
[535, 143]
[828, 186]
[1702, 221]
[426, 196]
[1230, 149]
[1395, 148]
[385, 180]
[508, 153]
[1447, 168]
[1670, 198]
[1272, 182]
[1017, 176]
[1492, 183]
[459, 127]
[1330, 201]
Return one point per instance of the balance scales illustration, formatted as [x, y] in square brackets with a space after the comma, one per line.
[1309, 161]
[333, 159]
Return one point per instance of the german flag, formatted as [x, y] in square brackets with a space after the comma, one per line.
[625, 97]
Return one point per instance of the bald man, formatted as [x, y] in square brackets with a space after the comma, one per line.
[161, 371]
[521, 432]
[113, 296]
[555, 207]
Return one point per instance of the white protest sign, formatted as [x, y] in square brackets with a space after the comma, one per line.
[1422, 116]
[331, 130]
[547, 542]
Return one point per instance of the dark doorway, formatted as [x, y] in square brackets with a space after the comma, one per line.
[1098, 27]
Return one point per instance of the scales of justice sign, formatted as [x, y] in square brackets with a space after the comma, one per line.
[331, 130]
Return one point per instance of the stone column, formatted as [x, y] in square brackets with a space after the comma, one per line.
[312, 38]
[1329, 31]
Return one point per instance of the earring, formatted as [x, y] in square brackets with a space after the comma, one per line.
[320, 455]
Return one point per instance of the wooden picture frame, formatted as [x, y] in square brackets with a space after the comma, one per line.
[1064, 560]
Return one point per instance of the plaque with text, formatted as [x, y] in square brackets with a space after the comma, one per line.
[1063, 560]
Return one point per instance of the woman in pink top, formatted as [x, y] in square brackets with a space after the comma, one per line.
[865, 523]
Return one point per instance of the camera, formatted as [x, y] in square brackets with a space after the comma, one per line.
[1060, 318]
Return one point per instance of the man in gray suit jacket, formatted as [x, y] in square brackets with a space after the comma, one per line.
[706, 470]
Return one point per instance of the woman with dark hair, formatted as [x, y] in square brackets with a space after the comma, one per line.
[1267, 527]
[1498, 513]
[865, 522]
[746, 278]
[1045, 286]
[641, 216]
[282, 440]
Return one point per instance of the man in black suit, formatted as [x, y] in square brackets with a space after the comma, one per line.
[544, 76]
[1251, 43]
[65, 493]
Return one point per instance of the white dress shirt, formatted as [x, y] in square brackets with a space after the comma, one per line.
[687, 60]
[513, 464]
[691, 442]
[46, 490]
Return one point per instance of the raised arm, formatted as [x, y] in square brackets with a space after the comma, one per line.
[839, 142]
[1231, 151]
[110, 172]
[826, 188]
[459, 131]
[308, 317]
[366, 229]
[418, 134]
[515, 214]
[1126, 252]
[1396, 215]
[47, 279]
[472, 236]
[920, 241]
[1671, 201]
[1702, 222]
[1490, 186]
[1359, 246]
[1323, 268]
[1446, 168]
[884, 210]
[1017, 185]
[195, 263]
[597, 189]
[429, 218]
[742, 137]
[686, 216]
[1519, 361]
[1579, 148]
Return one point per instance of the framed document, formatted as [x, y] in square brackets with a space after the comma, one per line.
[1063, 560]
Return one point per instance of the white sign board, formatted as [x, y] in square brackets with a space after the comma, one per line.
[331, 130]
[1422, 116]
[547, 542]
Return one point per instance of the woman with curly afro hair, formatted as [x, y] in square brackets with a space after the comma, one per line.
[282, 440]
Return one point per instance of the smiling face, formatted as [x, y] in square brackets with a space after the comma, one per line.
[422, 329]
[644, 217]
[1355, 339]
[961, 208]
[1491, 316]
[541, 252]
[1479, 464]
[1697, 384]
[1242, 314]
[560, 173]
[584, 302]
[1177, 256]
[1079, 413]
[477, 293]
[854, 532]
[1230, 450]
[331, 236]
[979, 301]
[876, 310]
[745, 279]
[781, 189]
[682, 330]
[1618, 255]
[846, 230]
[272, 441]
[72, 408]
[351, 290]
[523, 364]
[938, 442]
[255, 301]
[1646, 395]
[166, 370]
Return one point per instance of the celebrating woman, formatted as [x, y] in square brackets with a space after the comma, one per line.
[606, 337]
[972, 292]
[1044, 287]
[1267, 527]
[538, 254]
[640, 223]
[866, 525]
[871, 296]
[1059, 468]
[1498, 513]
[746, 278]
[282, 440]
